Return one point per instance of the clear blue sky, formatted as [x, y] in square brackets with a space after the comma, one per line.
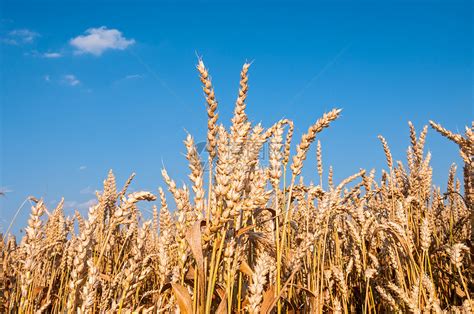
[89, 85]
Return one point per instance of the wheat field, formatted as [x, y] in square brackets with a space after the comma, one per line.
[243, 237]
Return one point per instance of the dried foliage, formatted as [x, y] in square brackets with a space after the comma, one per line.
[252, 238]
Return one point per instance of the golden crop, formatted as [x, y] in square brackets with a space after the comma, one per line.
[249, 238]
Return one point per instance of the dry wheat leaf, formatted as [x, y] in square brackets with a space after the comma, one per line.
[245, 268]
[185, 302]
[193, 236]
[222, 308]
[268, 300]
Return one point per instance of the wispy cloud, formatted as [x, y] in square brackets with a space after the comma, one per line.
[82, 168]
[133, 76]
[4, 190]
[20, 37]
[80, 205]
[52, 55]
[97, 40]
[88, 191]
[47, 78]
[47, 55]
[129, 77]
[87, 204]
[71, 80]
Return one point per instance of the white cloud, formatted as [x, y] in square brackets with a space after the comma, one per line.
[87, 204]
[81, 168]
[71, 80]
[133, 76]
[129, 77]
[97, 40]
[70, 204]
[88, 190]
[4, 190]
[20, 37]
[48, 55]
[52, 55]
[80, 205]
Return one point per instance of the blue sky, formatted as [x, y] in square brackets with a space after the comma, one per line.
[88, 85]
